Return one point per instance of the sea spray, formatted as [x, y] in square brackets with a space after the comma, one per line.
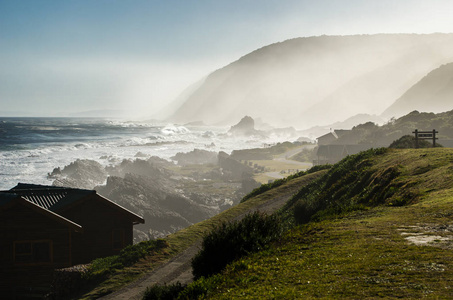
[30, 148]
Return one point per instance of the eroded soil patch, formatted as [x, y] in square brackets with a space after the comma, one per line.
[424, 234]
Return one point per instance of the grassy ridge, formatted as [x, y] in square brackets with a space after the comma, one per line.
[358, 247]
[355, 248]
[179, 241]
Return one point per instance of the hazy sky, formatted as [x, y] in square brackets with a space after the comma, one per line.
[58, 57]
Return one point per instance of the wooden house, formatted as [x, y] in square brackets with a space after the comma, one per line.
[331, 154]
[327, 138]
[334, 136]
[43, 228]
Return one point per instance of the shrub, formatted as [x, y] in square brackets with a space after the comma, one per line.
[163, 292]
[200, 287]
[342, 188]
[232, 240]
[408, 141]
[303, 212]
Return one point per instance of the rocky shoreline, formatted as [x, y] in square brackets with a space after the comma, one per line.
[170, 195]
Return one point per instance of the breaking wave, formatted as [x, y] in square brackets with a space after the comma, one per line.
[30, 148]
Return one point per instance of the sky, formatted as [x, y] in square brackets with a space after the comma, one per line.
[59, 58]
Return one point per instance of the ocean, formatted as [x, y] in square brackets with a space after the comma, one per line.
[30, 148]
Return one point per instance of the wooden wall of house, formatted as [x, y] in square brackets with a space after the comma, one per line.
[20, 223]
[102, 224]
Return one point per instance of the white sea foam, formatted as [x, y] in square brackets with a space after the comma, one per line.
[173, 130]
[35, 161]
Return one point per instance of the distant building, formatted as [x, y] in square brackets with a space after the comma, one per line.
[336, 145]
[331, 154]
[327, 138]
[341, 132]
[43, 228]
[332, 136]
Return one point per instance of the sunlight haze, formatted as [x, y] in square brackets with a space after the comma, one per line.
[59, 58]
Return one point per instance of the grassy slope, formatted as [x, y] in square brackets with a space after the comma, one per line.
[183, 239]
[364, 254]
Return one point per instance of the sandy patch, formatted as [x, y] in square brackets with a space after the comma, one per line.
[435, 235]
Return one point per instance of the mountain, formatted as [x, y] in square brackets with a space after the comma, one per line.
[311, 81]
[433, 93]
[168, 110]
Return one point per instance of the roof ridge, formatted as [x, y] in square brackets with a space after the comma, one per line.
[36, 187]
[49, 197]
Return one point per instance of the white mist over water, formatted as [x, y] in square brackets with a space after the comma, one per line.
[31, 162]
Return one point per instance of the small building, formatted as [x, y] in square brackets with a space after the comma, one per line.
[327, 138]
[43, 228]
[331, 154]
[333, 136]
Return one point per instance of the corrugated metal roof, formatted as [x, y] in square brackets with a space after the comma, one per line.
[56, 199]
[46, 200]
[49, 197]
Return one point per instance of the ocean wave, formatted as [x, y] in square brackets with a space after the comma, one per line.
[173, 129]
[28, 156]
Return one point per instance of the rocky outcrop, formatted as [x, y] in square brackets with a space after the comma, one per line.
[82, 173]
[163, 207]
[245, 127]
[233, 168]
[197, 156]
[154, 188]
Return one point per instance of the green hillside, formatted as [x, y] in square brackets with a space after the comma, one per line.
[106, 275]
[375, 225]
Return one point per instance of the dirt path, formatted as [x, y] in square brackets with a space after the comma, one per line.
[179, 268]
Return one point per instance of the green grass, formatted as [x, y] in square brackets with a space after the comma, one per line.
[185, 238]
[360, 253]
[347, 253]
[341, 259]
[363, 255]
[235, 239]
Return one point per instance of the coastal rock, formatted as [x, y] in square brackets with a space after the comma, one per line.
[82, 173]
[233, 168]
[196, 156]
[169, 197]
[245, 127]
[164, 209]
[149, 168]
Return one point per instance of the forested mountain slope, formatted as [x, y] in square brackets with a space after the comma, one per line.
[316, 80]
[433, 93]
